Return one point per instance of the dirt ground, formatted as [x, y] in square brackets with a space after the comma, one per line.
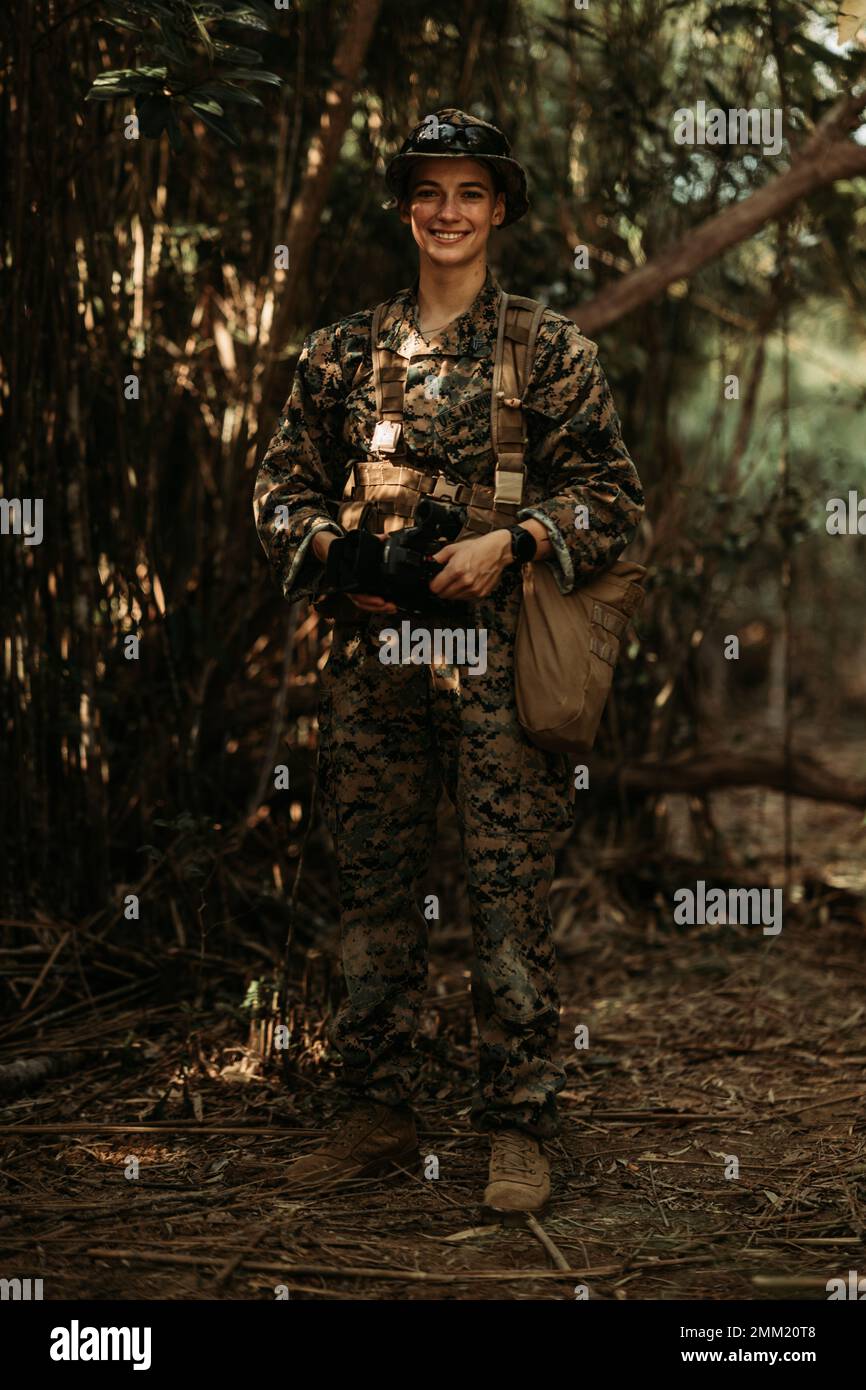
[705, 1044]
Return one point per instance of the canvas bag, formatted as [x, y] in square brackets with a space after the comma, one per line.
[566, 648]
[567, 645]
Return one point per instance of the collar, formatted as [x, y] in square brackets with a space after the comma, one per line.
[473, 334]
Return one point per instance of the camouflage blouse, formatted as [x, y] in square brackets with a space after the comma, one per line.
[580, 482]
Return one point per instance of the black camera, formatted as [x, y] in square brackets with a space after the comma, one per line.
[399, 568]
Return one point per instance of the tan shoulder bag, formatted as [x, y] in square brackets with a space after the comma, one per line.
[567, 645]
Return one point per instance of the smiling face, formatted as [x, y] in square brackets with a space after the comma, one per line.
[451, 206]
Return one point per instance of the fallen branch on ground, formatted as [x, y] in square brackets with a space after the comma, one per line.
[27, 1072]
[371, 1271]
[700, 772]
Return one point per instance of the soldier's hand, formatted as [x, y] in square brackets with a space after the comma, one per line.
[472, 568]
[373, 603]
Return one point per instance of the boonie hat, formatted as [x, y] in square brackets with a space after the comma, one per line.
[451, 134]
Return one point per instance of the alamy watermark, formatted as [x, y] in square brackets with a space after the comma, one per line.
[20, 1290]
[438, 646]
[855, 1289]
[77, 1343]
[738, 906]
[22, 517]
[750, 125]
[846, 517]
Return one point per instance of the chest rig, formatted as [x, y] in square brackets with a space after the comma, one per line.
[383, 491]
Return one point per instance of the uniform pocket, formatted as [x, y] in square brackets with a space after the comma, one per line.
[545, 799]
[607, 626]
[461, 432]
[467, 408]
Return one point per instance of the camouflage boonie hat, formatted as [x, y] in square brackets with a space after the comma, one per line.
[452, 134]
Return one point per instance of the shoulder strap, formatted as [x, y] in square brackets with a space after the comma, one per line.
[389, 379]
[517, 331]
[377, 355]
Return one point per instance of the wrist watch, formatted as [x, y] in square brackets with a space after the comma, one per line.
[523, 545]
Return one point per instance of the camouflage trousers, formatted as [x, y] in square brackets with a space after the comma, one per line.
[391, 736]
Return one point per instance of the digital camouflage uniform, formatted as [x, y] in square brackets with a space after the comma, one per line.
[392, 735]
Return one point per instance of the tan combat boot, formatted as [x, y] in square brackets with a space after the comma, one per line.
[369, 1139]
[519, 1175]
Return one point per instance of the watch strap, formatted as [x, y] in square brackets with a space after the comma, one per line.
[517, 533]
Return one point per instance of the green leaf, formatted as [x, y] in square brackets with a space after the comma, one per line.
[123, 24]
[207, 105]
[126, 86]
[245, 76]
[227, 91]
[108, 95]
[203, 33]
[230, 53]
[125, 74]
[108, 79]
[255, 16]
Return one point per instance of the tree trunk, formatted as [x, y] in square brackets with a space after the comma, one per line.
[322, 155]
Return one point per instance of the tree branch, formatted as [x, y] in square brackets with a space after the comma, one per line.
[826, 156]
[701, 772]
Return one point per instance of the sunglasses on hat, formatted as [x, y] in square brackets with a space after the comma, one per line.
[467, 139]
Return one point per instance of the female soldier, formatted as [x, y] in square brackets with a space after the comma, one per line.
[392, 735]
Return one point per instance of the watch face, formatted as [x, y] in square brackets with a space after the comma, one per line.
[523, 544]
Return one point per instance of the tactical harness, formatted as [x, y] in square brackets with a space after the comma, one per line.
[382, 493]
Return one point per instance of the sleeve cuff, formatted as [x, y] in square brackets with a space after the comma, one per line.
[560, 561]
[322, 524]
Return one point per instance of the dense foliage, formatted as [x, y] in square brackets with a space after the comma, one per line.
[150, 330]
